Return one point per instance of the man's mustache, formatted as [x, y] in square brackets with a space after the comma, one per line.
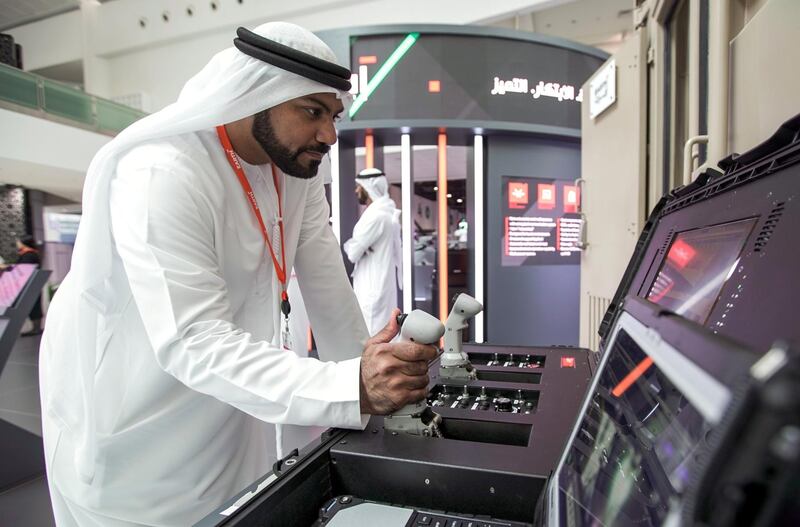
[321, 149]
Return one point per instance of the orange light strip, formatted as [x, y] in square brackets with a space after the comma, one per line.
[632, 377]
[368, 59]
[369, 146]
[443, 227]
[310, 341]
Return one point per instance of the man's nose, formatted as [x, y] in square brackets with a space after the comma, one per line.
[326, 133]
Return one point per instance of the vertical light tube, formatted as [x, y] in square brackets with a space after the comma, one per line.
[369, 150]
[336, 220]
[407, 215]
[441, 237]
[477, 232]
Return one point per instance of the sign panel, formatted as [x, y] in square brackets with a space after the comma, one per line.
[541, 222]
[603, 89]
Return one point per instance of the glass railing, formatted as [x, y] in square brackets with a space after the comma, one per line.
[67, 103]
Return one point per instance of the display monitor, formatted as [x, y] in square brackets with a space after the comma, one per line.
[696, 266]
[633, 448]
[12, 282]
[468, 77]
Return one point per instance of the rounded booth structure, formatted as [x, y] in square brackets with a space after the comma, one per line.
[478, 132]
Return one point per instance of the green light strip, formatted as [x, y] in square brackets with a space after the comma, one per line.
[383, 72]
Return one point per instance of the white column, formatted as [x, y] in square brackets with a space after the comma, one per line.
[407, 187]
[336, 220]
[477, 233]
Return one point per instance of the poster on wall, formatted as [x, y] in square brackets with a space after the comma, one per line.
[541, 223]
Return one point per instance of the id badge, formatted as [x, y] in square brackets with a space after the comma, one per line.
[286, 335]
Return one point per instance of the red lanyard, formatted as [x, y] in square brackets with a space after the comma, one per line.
[280, 269]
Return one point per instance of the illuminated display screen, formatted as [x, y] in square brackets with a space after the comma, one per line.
[697, 265]
[12, 281]
[541, 224]
[467, 77]
[634, 448]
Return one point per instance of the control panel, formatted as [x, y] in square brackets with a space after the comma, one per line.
[481, 398]
[508, 360]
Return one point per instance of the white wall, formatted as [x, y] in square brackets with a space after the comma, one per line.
[45, 155]
[51, 41]
[764, 74]
[160, 72]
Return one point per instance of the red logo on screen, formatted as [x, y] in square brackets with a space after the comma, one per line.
[681, 253]
[572, 198]
[567, 362]
[546, 196]
[517, 195]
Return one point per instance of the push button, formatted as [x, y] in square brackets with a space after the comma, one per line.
[423, 519]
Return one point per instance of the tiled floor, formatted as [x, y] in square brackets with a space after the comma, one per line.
[19, 386]
[27, 504]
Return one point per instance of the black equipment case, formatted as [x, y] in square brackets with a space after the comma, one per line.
[691, 354]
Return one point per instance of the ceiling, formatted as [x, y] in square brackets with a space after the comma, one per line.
[18, 12]
[599, 23]
[593, 22]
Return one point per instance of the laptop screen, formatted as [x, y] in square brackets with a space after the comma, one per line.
[632, 449]
[696, 267]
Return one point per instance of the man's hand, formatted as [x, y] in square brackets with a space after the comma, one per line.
[393, 374]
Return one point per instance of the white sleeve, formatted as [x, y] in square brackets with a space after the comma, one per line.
[336, 320]
[365, 233]
[164, 232]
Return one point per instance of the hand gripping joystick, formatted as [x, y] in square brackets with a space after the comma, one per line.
[455, 363]
[417, 418]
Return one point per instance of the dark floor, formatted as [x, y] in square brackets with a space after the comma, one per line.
[27, 504]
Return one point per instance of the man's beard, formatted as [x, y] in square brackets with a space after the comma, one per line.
[284, 158]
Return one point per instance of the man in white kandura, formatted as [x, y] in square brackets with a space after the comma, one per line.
[375, 250]
[165, 373]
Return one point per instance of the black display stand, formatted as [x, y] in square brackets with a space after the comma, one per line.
[22, 451]
[500, 465]
[491, 466]
[12, 319]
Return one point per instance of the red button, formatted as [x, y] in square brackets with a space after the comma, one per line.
[567, 362]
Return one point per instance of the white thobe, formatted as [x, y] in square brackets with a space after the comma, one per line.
[191, 376]
[373, 249]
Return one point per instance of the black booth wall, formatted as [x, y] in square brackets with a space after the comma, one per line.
[537, 304]
[13, 220]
